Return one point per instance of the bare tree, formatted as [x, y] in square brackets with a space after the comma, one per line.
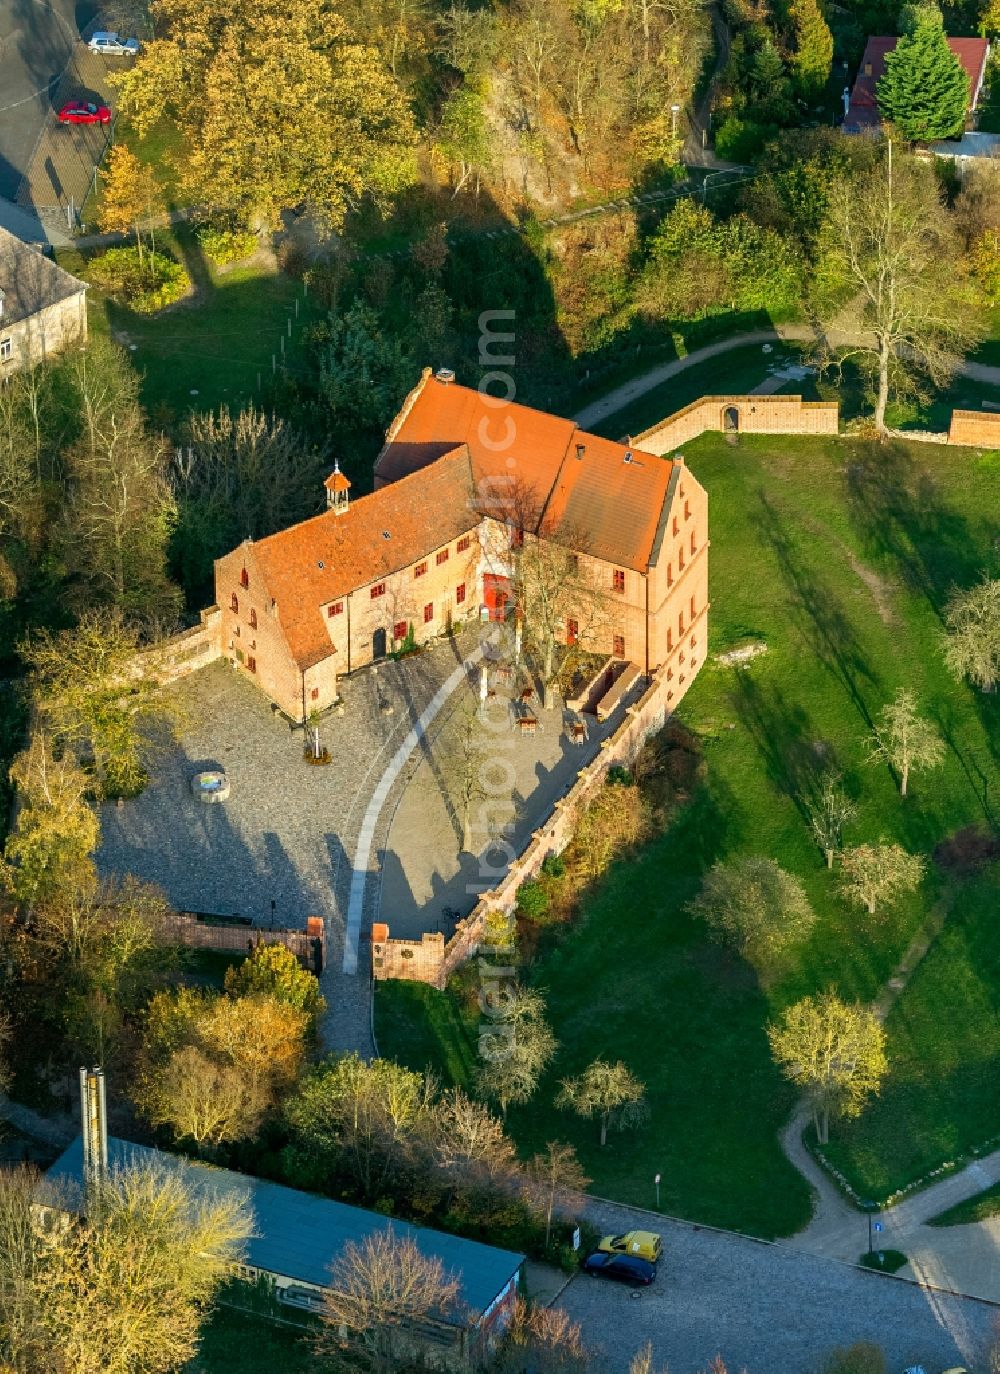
[873, 874]
[904, 739]
[545, 1340]
[381, 1292]
[556, 1175]
[469, 1141]
[972, 649]
[515, 1048]
[611, 1092]
[831, 810]
[891, 275]
[756, 906]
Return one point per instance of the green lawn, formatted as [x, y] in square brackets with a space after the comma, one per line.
[240, 1343]
[211, 348]
[838, 556]
[979, 1208]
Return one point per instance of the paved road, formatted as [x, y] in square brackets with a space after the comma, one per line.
[765, 1308]
[622, 396]
[36, 42]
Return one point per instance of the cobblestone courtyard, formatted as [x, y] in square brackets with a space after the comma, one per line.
[286, 835]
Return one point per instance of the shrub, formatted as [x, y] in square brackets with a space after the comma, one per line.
[533, 901]
[886, 1262]
[226, 243]
[145, 284]
[554, 866]
[741, 140]
[862, 1358]
[619, 776]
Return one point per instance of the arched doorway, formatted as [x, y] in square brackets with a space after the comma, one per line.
[378, 644]
[731, 419]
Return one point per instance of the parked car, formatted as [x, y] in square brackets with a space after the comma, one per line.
[113, 45]
[83, 112]
[630, 1269]
[646, 1244]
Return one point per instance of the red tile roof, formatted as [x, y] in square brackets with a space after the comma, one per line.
[599, 504]
[863, 113]
[319, 560]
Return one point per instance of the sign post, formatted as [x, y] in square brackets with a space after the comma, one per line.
[656, 1180]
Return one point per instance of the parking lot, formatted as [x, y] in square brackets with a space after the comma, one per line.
[767, 1309]
[37, 40]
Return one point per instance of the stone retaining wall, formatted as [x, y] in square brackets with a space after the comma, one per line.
[308, 946]
[743, 415]
[430, 959]
[186, 652]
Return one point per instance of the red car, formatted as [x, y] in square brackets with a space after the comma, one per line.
[84, 112]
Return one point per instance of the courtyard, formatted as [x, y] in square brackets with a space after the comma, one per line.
[291, 837]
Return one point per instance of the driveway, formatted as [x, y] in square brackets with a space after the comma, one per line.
[765, 1308]
[37, 39]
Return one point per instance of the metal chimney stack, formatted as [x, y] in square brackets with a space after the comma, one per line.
[93, 1124]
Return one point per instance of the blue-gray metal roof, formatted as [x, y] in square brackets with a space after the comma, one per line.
[299, 1235]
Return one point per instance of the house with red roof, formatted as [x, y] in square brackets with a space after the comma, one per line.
[463, 480]
[862, 115]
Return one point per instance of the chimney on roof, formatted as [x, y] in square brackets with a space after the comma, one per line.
[444, 375]
[93, 1125]
[337, 487]
[868, 69]
[628, 456]
[581, 451]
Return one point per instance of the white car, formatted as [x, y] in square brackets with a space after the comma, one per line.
[113, 45]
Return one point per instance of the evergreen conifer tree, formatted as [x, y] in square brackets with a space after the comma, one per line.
[925, 89]
[813, 54]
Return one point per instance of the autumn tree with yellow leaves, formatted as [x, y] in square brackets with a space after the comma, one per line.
[277, 105]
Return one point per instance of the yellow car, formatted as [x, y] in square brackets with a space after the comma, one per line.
[645, 1245]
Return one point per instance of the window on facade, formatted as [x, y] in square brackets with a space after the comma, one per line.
[692, 608]
[517, 539]
[253, 620]
[335, 608]
[694, 546]
[378, 590]
[251, 663]
[244, 578]
[573, 564]
[419, 570]
[680, 657]
[442, 557]
[670, 574]
[618, 580]
[314, 694]
[619, 649]
[464, 543]
[680, 623]
[460, 594]
[399, 629]
[428, 612]
[235, 603]
[6, 350]
[687, 510]
[572, 630]
[677, 525]
[680, 560]
[670, 640]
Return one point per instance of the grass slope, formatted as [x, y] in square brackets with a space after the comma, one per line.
[236, 1342]
[839, 556]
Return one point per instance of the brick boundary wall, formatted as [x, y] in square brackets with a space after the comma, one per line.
[753, 415]
[975, 429]
[308, 946]
[186, 652]
[430, 959]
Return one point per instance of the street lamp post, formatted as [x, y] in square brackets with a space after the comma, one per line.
[656, 1180]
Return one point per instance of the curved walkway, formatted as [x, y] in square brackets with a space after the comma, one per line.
[624, 395]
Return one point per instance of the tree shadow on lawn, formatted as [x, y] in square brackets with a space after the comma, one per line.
[827, 626]
[897, 504]
[795, 757]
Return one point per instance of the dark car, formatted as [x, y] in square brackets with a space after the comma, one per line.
[625, 1268]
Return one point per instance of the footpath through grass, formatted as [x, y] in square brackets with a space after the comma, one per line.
[838, 555]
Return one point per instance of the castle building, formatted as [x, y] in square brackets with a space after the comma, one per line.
[464, 484]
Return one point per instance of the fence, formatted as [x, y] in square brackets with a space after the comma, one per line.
[309, 945]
